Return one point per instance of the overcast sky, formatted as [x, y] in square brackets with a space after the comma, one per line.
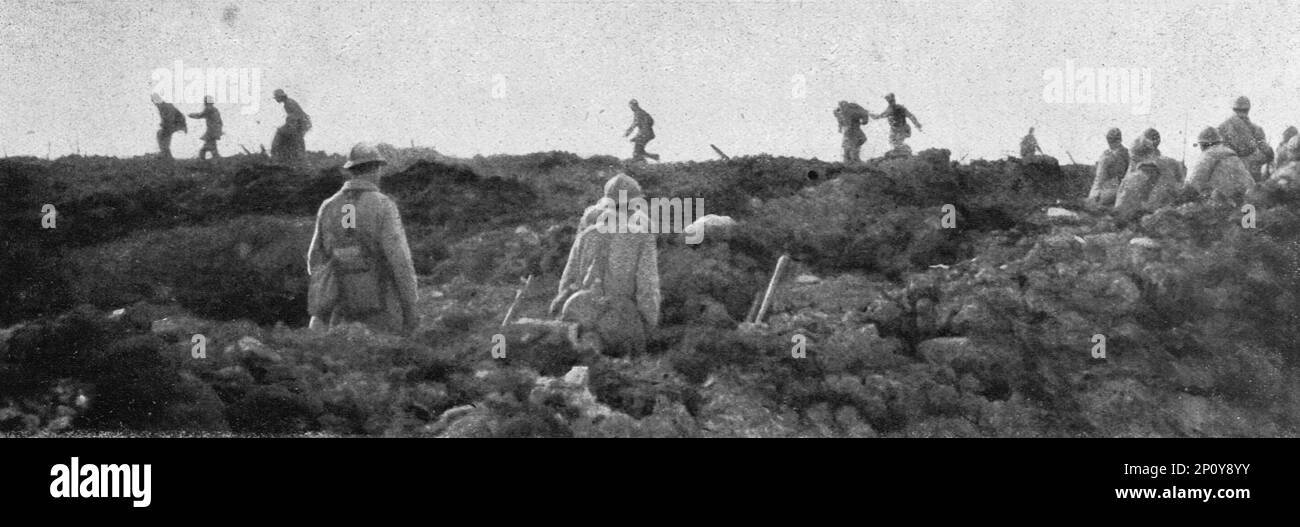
[749, 76]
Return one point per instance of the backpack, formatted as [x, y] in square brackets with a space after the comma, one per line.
[1239, 135]
[588, 304]
[354, 266]
[615, 320]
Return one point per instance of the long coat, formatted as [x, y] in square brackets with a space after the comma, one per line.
[627, 267]
[380, 225]
[1221, 172]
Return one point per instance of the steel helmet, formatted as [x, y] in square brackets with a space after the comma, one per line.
[1242, 104]
[1152, 135]
[364, 153]
[207, 99]
[1208, 136]
[622, 181]
[1142, 148]
[1114, 135]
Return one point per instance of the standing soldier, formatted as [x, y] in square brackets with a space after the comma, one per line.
[172, 121]
[289, 143]
[644, 124]
[898, 115]
[1246, 138]
[1029, 146]
[851, 116]
[212, 118]
[359, 236]
[1109, 170]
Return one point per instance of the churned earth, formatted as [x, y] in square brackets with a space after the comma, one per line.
[887, 323]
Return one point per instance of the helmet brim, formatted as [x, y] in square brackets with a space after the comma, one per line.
[353, 164]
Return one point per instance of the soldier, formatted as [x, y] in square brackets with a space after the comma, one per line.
[851, 117]
[1029, 146]
[570, 281]
[212, 133]
[1166, 163]
[1110, 169]
[172, 121]
[1220, 173]
[619, 299]
[644, 124]
[1149, 185]
[1283, 154]
[898, 115]
[289, 142]
[359, 235]
[1246, 139]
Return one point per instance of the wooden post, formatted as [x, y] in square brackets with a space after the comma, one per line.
[771, 288]
[725, 157]
[518, 295]
[753, 306]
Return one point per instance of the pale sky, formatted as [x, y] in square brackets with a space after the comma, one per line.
[749, 76]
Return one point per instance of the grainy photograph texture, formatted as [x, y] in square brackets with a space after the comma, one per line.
[695, 219]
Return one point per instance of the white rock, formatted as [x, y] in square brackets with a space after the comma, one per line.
[806, 279]
[577, 376]
[710, 221]
[1144, 242]
[1060, 213]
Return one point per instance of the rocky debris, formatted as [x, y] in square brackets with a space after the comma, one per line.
[732, 410]
[250, 348]
[572, 391]
[181, 325]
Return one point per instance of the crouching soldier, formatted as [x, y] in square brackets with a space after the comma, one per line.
[1151, 184]
[1220, 174]
[359, 260]
[618, 300]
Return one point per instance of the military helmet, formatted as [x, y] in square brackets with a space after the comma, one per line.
[1208, 136]
[364, 153]
[1142, 147]
[207, 99]
[1242, 104]
[1114, 134]
[622, 181]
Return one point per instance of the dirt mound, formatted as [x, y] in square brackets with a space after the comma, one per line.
[457, 198]
[252, 267]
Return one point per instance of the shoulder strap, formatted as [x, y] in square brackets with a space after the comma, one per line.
[597, 273]
[352, 195]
